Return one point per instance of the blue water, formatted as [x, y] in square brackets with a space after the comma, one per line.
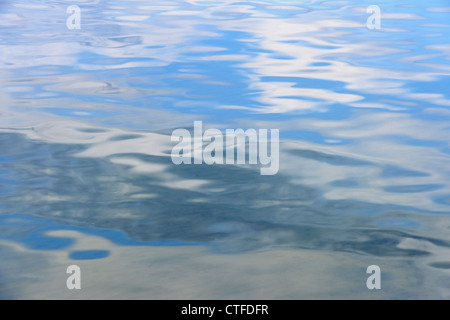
[86, 177]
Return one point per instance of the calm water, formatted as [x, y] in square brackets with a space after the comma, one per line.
[86, 176]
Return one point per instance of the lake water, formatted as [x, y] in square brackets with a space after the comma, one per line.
[86, 176]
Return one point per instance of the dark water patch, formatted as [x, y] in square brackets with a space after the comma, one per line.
[269, 210]
[89, 254]
[413, 188]
[125, 137]
[332, 159]
[395, 171]
[440, 265]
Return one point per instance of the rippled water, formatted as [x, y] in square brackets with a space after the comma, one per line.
[86, 176]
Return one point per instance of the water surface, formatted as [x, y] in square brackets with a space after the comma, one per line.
[86, 176]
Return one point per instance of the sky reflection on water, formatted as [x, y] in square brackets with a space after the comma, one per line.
[86, 176]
